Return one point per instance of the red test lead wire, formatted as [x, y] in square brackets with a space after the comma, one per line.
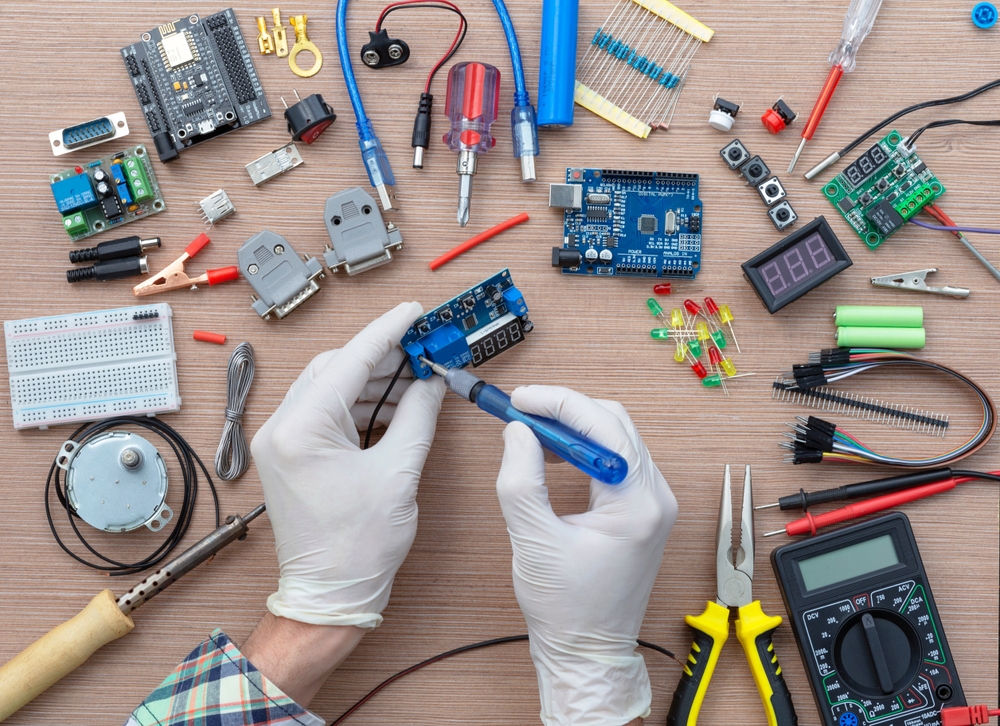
[967, 715]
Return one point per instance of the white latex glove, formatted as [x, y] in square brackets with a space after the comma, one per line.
[344, 518]
[583, 580]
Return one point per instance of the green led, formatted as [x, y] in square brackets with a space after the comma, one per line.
[654, 307]
[711, 381]
[695, 347]
[660, 333]
[719, 338]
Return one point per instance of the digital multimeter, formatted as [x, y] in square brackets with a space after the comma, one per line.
[864, 619]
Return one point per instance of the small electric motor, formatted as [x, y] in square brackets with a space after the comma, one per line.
[116, 482]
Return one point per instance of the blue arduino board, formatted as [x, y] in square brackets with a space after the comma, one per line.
[473, 327]
[638, 223]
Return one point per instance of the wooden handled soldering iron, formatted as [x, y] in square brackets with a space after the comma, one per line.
[65, 647]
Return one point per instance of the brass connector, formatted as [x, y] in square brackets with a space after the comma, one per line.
[264, 39]
[302, 43]
[280, 41]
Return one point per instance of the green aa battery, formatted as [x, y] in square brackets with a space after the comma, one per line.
[879, 316]
[881, 337]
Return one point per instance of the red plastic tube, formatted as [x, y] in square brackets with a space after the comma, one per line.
[223, 274]
[195, 247]
[822, 102]
[206, 337]
[481, 237]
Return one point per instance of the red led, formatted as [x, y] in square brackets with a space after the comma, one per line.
[78, 169]
[699, 369]
[692, 307]
[712, 307]
[714, 356]
[662, 288]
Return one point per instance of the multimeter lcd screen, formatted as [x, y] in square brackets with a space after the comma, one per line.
[789, 271]
[848, 563]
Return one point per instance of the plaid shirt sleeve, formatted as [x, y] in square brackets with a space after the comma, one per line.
[217, 686]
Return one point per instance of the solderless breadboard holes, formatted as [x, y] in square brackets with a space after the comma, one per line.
[91, 365]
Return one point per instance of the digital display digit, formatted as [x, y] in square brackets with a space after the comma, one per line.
[848, 563]
[496, 341]
[792, 269]
[797, 264]
[865, 165]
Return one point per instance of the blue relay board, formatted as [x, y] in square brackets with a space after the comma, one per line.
[641, 223]
[473, 327]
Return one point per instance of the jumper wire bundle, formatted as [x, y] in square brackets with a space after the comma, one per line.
[633, 72]
[816, 440]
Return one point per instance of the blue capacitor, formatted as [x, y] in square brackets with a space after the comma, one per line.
[557, 69]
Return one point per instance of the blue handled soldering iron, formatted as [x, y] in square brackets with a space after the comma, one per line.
[588, 456]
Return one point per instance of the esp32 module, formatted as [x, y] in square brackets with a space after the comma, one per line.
[195, 80]
[639, 223]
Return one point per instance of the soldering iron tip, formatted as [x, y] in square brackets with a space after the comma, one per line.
[767, 506]
[774, 533]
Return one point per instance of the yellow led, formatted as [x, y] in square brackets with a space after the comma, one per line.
[680, 352]
[729, 367]
[676, 318]
[703, 333]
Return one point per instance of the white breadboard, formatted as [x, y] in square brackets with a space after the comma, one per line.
[91, 366]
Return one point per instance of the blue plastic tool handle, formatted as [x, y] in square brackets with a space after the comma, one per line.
[588, 456]
[557, 69]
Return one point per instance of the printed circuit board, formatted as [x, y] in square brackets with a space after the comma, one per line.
[640, 223]
[195, 80]
[882, 189]
[480, 324]
[109, 192]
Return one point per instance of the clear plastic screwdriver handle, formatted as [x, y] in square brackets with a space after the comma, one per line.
[857, 24]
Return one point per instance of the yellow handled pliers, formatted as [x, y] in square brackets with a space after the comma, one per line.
[734, 575]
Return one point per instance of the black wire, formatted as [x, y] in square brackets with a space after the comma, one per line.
[186, 458]
[947, 122]
[381, 401]
[986, 476]
[453, 51]
[463, 649]
[917, 107]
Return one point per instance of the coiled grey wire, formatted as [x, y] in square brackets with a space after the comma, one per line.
[233, 456]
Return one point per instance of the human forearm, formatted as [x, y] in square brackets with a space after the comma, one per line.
[299, 657]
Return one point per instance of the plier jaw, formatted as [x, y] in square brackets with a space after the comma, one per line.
[734, 564]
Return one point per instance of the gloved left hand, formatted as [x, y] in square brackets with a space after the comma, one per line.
[344, 518]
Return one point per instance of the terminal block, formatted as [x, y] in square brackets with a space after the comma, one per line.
[361, 240]
[281, 279]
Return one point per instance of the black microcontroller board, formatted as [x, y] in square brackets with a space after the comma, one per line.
[195, 80]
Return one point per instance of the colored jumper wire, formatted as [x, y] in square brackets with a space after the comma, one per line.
[857, 24]
[812, 523]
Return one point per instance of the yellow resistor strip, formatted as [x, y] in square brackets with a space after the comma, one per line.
[673, 14]
[596, 103]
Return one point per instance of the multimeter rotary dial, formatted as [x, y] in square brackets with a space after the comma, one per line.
[877, 653]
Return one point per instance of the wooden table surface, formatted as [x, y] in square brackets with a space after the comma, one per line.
[61, 66]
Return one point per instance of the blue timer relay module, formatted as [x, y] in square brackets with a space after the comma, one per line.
[473, 327]
[640, 223]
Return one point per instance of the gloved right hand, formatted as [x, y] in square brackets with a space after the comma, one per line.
[583, 580]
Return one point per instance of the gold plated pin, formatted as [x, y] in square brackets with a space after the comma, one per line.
[280, 41]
